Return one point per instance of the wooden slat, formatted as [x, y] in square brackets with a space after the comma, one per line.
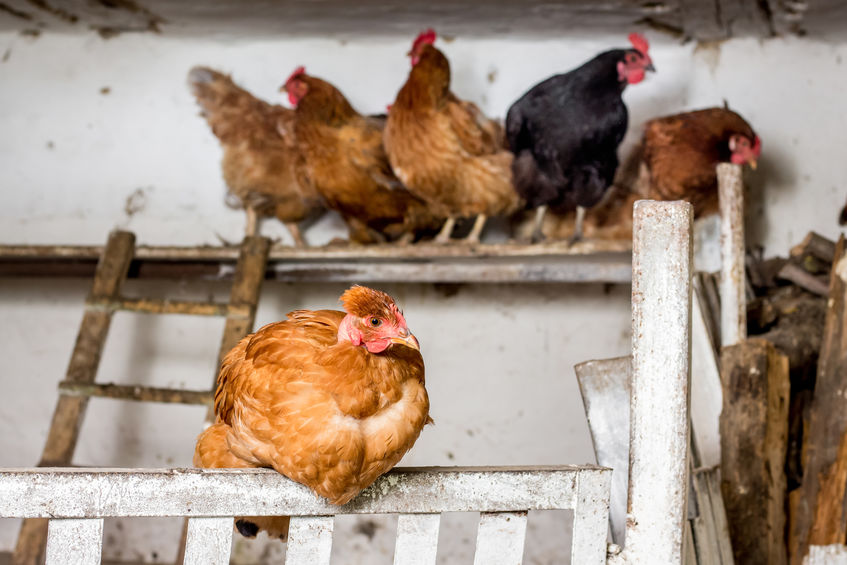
[87, 493]
[74, 542]
[417, 539]
[82, 368]
[500, 539]
[661, 356]
[733, 300]
[156, 306]
[706, 393]
[137, 393]
[754, 432]
[605, 389]
[209, 541]
[590, 520]
[309, 540]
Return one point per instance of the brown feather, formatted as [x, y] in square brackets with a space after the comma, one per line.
[444, 149]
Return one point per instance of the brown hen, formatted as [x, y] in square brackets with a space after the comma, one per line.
[444, 149]
[682, 151]
[345, 160]
[329, 399]
[260, 158]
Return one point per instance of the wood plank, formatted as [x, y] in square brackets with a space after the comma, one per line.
[815, 245]
[754, 432]
[733, 252]
[137, 393]
[74, 542]
[89, 493]
[706, 394]
[209, 541]
[417, 539]
[500, 539]
[591, 520]
[309, 540]
[82, 368]
[157, 306]
[605, 388]
[661, 355]
[821, 512]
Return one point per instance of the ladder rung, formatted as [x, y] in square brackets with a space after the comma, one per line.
[137, 393]
[153, 306]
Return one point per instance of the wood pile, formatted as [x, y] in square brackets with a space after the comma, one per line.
[784, 423]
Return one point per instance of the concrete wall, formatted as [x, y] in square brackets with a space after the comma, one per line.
[77, 160]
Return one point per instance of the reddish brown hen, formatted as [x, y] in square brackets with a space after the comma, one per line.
[260, 157]
[329, 399]
[681, 153]
[444, 149]
[345, 160]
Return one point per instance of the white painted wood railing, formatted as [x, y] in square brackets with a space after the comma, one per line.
[77, 500]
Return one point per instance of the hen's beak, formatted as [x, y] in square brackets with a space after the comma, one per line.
[408, 341]
[753, 164]
[650, 67]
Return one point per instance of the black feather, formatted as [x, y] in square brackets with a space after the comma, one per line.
[565, 133]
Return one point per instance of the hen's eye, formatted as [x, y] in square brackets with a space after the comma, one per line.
[375, 322]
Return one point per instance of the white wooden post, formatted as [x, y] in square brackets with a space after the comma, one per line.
[500, 538]
[826, 555]
[661, 354]
[208, 542]
[309, 540]
[74, 542]
[417, 539]
[733, 302]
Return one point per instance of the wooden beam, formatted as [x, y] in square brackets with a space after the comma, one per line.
[754, 439]
[733, 281]
[821, 510]
[137, 393]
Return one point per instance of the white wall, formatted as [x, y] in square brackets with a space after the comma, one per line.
[499, 358]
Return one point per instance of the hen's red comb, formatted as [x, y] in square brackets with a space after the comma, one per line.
[301, 70]
[427, 36]
[639, 42]
[757, 146]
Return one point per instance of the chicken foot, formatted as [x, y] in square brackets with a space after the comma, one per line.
[444, 235]
[476, 231]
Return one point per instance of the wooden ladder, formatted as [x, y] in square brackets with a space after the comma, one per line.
[79, 383]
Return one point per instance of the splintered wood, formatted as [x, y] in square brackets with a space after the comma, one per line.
[820, 507]
[754, 432]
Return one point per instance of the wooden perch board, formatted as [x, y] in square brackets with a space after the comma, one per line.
[754, 437]
[820, 509]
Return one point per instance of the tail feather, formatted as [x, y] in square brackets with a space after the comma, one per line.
[531, 183]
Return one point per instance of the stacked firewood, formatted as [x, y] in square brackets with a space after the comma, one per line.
[784, 423]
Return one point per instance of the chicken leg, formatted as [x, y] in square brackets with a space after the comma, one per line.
[444, 235]
[476, 231]
[252, 228]
[537, 233]
[294, 230]
[577, 232]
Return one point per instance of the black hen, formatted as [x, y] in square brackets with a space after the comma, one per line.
[565, 132]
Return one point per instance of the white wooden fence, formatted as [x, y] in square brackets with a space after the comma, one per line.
[76, 501]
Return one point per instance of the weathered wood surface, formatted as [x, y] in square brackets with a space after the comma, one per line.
[754, 432]
[710, 541]
[815, 245]
[605, 388]
[661, 355]
[500, 539]
[137, 393]
[74, 542]
[154, 306]
[417, 539]
[209, 541]
[69, 412]
[821, 511]
[309, 540]
[591, 261]
[733, 253]
[90, 493]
